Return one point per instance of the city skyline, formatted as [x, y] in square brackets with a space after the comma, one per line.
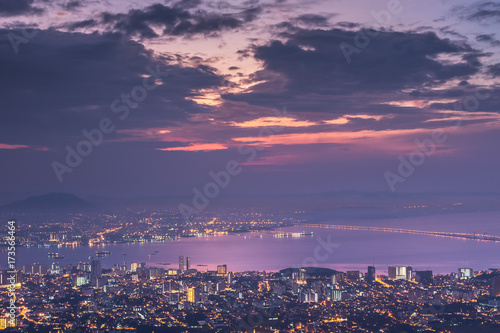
[249, 166]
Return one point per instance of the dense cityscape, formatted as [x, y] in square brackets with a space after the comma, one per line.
[86, 297]
[144, 225]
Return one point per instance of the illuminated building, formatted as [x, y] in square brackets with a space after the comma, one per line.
[39, 269]
[188, 263]
[222, 269]
[3, 323]
[336, 295]
[181, 264]
[400, 272]
[83, 266]
[334, 280]
[192, 295]
[302, 274]
[465, 273]
[80, 281]
[134, 266]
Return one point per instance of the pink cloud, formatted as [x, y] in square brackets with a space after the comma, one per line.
[197, 147]
[7, 146]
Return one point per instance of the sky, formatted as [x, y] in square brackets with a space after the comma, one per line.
[125, 98]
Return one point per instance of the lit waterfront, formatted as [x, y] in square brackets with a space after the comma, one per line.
[263, 251]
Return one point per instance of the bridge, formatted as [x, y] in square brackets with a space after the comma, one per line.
[456, 235]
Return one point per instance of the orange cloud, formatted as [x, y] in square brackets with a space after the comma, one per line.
[325, 137]
[7, 146]
[274, 122]
[197, 147]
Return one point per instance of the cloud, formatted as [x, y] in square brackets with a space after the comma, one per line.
[274, 122]
[309, 71]
[488, 38]
[484, 11]
[312, 20]
[8, 146]
[175, 20]
[494, 70]
[62, 83]
[72, 5]
[18, 7]
[197, 147]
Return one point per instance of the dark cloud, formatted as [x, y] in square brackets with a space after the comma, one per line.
[485, 38]
[448, 31]
[488, 39]
[494, 70]
[71, 5]
[312, 19]
[350, 25]
[313, 74]
[484, 11]
[62, 83]
[18, 7]
[82, 24]
[176, 20]
[468, 101]
[187, 4]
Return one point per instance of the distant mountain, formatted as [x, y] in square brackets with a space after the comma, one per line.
[310, 271]
[50, 201]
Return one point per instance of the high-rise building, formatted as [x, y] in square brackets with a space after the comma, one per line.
[220, 286]
[424, 277]
[3, 277]
[334, 280]
[222, 269]
[55, 268]
[465, 273]
[370, 276]
[181, 264]
[83, 266]
[80, 281]
[134, 266]
[400, 272]
[230, 278]
[336, 295]
[495, 286]
[353, 275]
[95, 269]
[409, 273]
[188, 263]
[192, 295]
[302, 274]
[39, 269]
[3, 323]
[28, 269]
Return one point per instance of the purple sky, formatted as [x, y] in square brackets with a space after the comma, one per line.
[330, 95]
